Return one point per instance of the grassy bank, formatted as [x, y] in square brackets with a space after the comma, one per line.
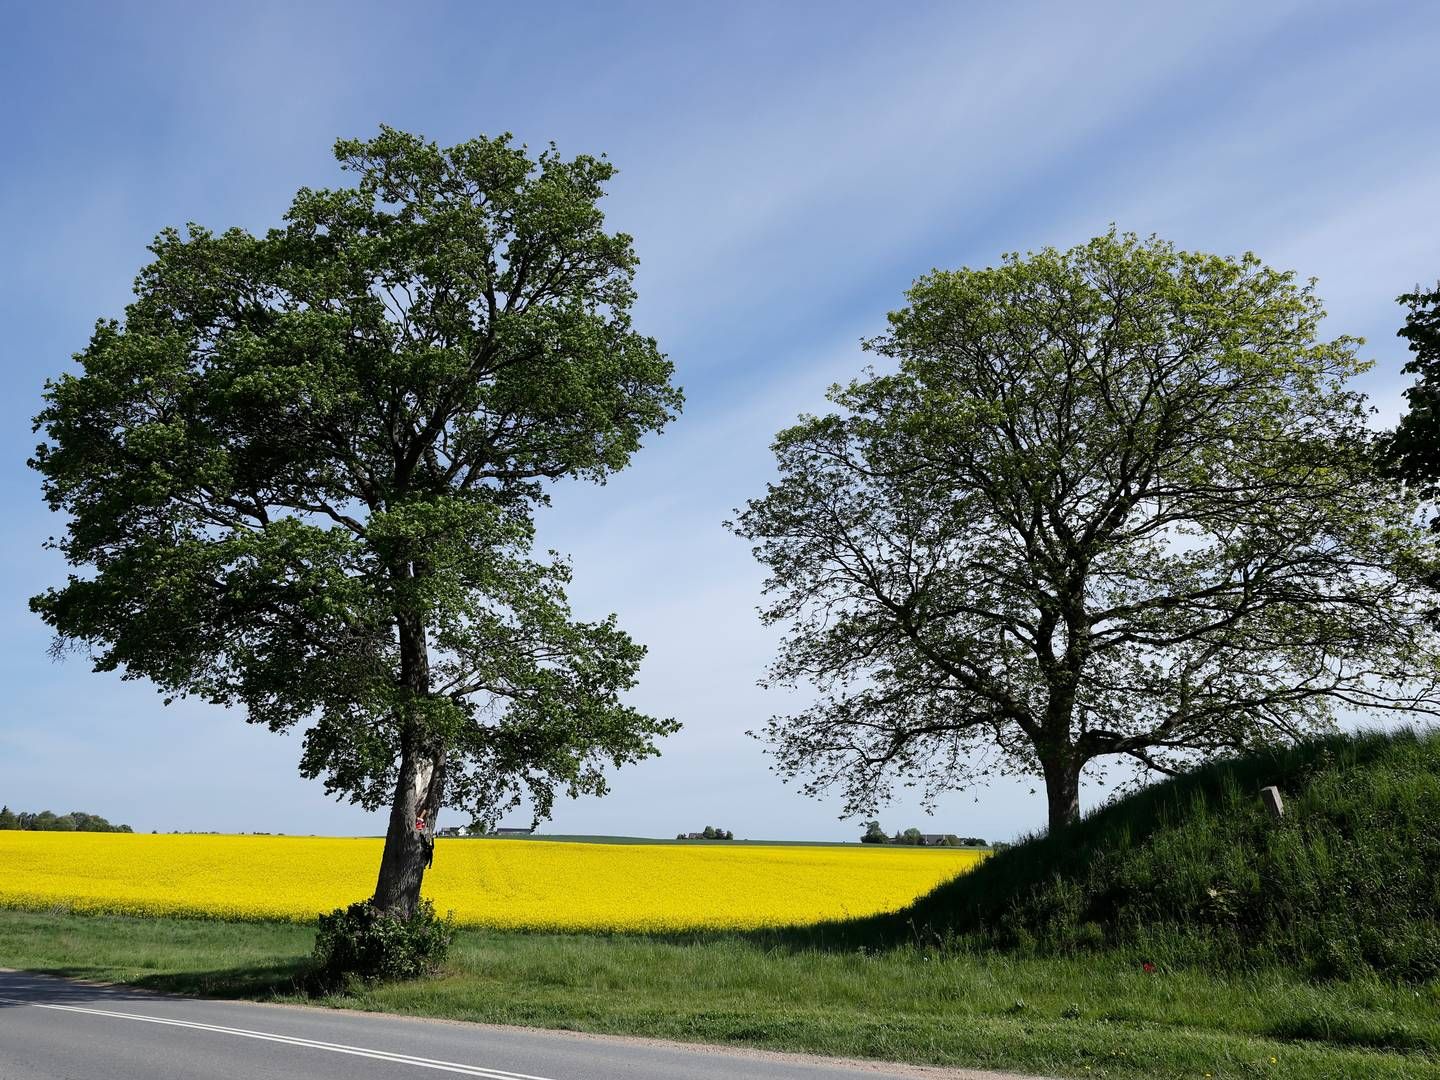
[1098, 1015]
[1194, 871]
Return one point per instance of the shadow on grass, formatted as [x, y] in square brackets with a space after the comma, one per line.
[1329, 1027]
[246, 981]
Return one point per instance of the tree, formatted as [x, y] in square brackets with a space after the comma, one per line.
[47, 821]
[874, 834]
[1112, 504]
[911, 836]
[1413, 450]
[303, 471]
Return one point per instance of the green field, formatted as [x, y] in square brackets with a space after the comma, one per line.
[1099, 1015]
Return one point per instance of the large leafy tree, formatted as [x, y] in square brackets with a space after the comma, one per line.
[301, 473]
[1414, 447]
[1110, 505]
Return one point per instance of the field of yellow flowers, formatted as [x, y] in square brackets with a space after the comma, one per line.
[504, 884]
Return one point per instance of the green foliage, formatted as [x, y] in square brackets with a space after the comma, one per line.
[300, 474]
[874, 834]
[1195, 870]
[710, 832]
[1413, 450]
[365, 944]
[49, 821]
[1116, 506]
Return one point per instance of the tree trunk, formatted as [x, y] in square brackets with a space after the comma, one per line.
[1062, 789]
[410, 838]
[407, 848]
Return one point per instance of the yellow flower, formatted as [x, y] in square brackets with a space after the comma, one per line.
[505, 884]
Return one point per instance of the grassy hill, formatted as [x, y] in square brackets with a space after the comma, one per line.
[1195, 869]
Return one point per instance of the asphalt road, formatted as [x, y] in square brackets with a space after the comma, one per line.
[54, 1029]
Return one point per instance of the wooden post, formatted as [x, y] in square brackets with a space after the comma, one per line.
[1270, 796]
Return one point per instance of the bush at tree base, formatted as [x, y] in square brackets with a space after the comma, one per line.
[361, 942]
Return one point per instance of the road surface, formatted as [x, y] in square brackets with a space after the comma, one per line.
[55, 1029]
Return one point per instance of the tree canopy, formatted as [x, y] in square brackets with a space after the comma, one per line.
[1114, 504]
[1414, 447]
[300, 477]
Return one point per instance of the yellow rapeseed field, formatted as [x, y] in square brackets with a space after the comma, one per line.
[505, 884]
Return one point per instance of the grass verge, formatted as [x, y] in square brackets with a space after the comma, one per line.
[1100, 1015]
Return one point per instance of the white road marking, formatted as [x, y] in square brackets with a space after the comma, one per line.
[334, 1048]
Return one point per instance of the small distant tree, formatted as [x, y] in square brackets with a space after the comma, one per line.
[874, 834]
[1110, 505]
[8, 820]
[912, 836]
[709, 832]
[94, 823]
[729, 835]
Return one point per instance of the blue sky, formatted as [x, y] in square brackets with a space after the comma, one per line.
[786, 171]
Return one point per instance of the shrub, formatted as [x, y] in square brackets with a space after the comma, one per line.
[363, 943]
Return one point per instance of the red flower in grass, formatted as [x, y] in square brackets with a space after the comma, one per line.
[1147, 967]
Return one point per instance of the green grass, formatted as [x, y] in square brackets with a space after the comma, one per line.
[1308, 947]
[1093, 1015]
[1194, 871]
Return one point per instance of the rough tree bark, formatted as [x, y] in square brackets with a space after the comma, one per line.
[1062, 789]
[419, 787]
[417, 796]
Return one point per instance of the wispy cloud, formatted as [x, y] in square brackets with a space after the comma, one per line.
[786, 173]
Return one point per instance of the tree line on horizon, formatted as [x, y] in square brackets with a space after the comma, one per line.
[875, 834]
[48, 821]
